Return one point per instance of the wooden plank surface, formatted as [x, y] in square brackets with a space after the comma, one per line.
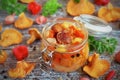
[41, 71]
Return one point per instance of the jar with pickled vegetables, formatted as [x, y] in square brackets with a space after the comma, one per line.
[65, 45]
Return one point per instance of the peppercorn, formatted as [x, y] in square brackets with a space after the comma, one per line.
[77, 55]
[72, 56]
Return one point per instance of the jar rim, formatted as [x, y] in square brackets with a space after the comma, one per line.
[61, 20]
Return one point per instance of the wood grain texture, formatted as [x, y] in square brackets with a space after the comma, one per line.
[43, 72]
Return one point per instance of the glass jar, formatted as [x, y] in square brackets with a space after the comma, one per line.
[64, 45]
[96, 26]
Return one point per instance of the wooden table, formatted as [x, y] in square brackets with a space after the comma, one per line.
[41, 71]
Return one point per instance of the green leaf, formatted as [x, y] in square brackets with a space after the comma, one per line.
[76, 1]
[103, 45]
[50, 7]
[12, 6]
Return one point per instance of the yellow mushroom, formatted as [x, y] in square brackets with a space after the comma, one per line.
[96, 67]
[23, 22]
[0, 26]
[3, 56]
[10, 36]
[22, 69]
[26, 1]
[82, 7]
[35, 34]
[109, 13]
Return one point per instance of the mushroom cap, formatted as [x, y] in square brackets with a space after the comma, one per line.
[10, 36]
[26, 1]
[35, 32]
[23, 22]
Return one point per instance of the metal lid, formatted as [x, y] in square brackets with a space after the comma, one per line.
[95, 26]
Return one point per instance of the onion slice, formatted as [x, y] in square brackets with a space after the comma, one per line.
[41, 20]
[10, 19]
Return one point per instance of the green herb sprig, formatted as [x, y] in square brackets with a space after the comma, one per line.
[103, 45]
[12, 6]
[76, 1]
[50, 7]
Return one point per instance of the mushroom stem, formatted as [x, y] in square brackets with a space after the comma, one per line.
[31, 40]
[35, 34]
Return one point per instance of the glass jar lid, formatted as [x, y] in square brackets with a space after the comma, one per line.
[95, 26]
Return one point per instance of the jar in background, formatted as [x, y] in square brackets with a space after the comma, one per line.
[65, 45]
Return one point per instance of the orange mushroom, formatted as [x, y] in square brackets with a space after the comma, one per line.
[109, 13]
[0, 26]
[26, 1]
[35, 34]
[96, 67]
[3, 56]
[23, 22]
[9, 37]
[21, 70]
[82, 7]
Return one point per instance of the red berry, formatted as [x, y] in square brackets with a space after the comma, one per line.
[34, 8]
[110, 75]
[117, 57]
[102, 2]
[20, 52]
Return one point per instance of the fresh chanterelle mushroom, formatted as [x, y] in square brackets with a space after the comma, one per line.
[35, 34]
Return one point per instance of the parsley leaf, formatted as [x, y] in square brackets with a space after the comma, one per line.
[103, 45]
[77, 1]
[50, 7]
[12, 6]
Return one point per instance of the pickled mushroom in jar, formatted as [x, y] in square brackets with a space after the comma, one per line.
[65, 34]
[67, 62]
[68, 43]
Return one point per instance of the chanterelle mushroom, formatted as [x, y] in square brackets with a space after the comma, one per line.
[26, 1]
[21, 70]
[0, 26]
[10, 36]
[35, 34]
[23, 22]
